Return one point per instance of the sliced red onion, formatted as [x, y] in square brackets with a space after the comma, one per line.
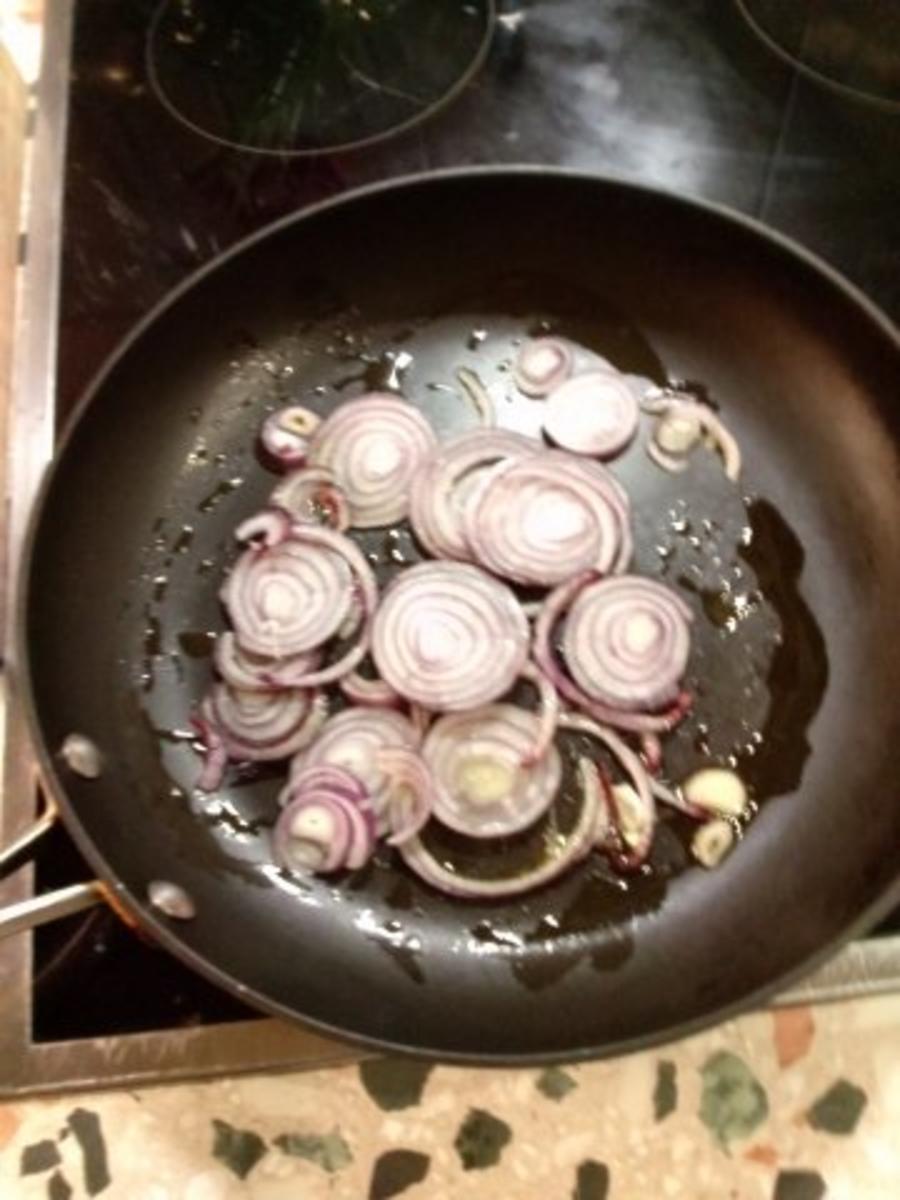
[555, 606]
[215, 755]
[674, 404]
[262, 726]
[595, 414]
[593, 779]
[668, 462]
[675, 798]
[549, 709]
[626, 642]
[637, 822]
[651, 752]
[479, 396]
[542, 519]
[561, 854]
[369, 692]
[542, 364]
[412, 792]
[253, 672]
[323, 831]
[266, 528]
[352, 740]
[316, 540]
[449, 637]
[285, 435]
[329, 778]
[436, 495]
[374, 445]
[311, 496]
[287, 599]
[481, 787]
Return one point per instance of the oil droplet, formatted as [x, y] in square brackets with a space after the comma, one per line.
[182, 543]
[197, 644]
[476, 339]
[206, 565]
[225, 488]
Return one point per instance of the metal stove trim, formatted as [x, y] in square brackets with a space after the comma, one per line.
[864, 968]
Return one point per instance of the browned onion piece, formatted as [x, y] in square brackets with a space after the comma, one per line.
[449, 637]
[626, 642]
[595, 414]
[542, 519]
[374, 445]
[437, 488]
[482, 788]
[555, 606]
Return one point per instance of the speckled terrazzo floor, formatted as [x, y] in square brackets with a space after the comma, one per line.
[798, 1105]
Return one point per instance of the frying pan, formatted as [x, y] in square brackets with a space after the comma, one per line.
[134, 525]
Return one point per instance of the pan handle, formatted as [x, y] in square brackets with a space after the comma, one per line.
[38, 910]
[51, 906]
[18, 853]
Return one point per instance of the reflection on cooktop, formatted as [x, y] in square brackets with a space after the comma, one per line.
[302, 76]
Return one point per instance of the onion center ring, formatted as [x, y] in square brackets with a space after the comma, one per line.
[449, 637]
[626, 642]
[374, 445]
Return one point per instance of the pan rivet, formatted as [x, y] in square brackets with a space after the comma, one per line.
[82, 756]
[171, 899]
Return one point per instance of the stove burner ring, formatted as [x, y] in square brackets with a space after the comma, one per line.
[321, 78]
[823, 48]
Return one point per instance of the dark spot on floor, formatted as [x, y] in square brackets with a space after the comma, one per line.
[395, 1171]
[591, 1181]
[799, 1185]
[39, 1156]
[239, 1149]
[481, 1140]
[88, 1133]
[394, 1083]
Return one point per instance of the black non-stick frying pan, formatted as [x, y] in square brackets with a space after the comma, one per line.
[134, 527]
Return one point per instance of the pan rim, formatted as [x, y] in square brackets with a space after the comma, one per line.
[166, 934]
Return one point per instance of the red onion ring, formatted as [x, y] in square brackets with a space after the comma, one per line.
[285, 435]
[289, 598]
[626, 642]
[541, 519]
[323, 831]
[633, 856]
[594, 779]
[561, 856]
[374, 445]
[326, 777]
[253, 672]
[595, 414]
[677, 404]
[369, 692]
[352, 740]
[329, 541]
[449, 637]
[311, 496]
[262, 726]
[215, 755]
[481, 786]
[435, 495]
[412, 792]
[479, 397]
[542, 364]
[548, 697]
[266, 528]
[554, 606]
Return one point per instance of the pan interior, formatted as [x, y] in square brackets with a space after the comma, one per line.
[797, 681]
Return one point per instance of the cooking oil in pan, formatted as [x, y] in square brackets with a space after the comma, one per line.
[758, 668]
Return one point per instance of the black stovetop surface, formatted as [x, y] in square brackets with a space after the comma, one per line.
[676, 93]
